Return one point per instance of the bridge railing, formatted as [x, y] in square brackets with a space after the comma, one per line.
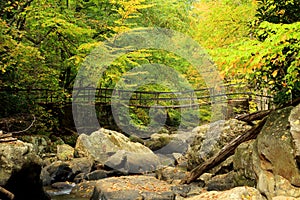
[146, 99]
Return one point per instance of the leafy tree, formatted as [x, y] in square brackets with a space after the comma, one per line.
[274, 61]
[276, 11]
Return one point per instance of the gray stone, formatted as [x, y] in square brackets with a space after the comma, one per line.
[133, 163]
[211, 138]
[100, 145]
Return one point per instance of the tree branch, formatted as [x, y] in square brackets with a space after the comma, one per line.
[7, 193]
[17, 132]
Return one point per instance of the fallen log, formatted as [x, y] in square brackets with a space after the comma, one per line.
[249, 118]
[224, 153]
[7, 193]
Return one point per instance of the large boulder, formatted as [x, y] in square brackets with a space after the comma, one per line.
[211, 138]
[20, 169]
[133, 163]
[116, 151]
[132, 187]
[274, 156]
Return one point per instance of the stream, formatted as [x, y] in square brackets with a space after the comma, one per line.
[63, 194]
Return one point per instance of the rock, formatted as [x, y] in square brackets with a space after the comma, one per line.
[104, 143]
[169, 174]
[83, 190]
[65, 152]
[80, 177]
[294, 120]
[274, 157]
[58, 171]
[132, 187]
[62, 185]
[20, 169]
[196, 189]
[97, 174]
[243, 165]
[181, 190]
[284, 198]
[133, 163]
[41, 144]
[158, 141]
[60, 188]
[166, 160]
[221, 182]
[80, 165]
[61, 171]
[238, 193]
[210, 138]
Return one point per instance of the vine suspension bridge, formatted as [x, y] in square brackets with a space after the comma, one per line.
[146, 99]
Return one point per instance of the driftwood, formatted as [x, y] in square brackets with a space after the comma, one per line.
[7, 193]
[224, 153]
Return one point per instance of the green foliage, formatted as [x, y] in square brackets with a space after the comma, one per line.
[278, 11]
[170, 14]
[44, 42]
[276, 64]
[268, 55]
[222, 27]
[12, 104]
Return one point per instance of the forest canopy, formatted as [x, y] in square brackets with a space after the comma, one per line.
[44, 42]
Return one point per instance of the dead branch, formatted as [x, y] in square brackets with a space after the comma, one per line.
[7, 193]
[224, 153]
[22, 131]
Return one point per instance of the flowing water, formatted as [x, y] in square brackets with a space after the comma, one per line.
[63, 194]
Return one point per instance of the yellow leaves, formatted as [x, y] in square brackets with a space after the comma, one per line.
[271, 82]
[265, 78]
[274, 74]
[127, 10]
[3, 69]
[88, 46]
